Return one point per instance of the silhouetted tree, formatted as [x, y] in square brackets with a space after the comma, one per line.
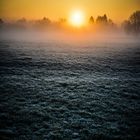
[105, 18]
[102, 19]
[126, 26]
[21, 21]
[110, 22]
[135, 21]
[62, 20]
[91, 20]
[42, 23]
[132, 25]
[45, 21]
[20, 24]
[1, 21]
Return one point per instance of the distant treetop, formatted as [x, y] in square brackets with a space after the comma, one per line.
[91, 20]
[132, 25]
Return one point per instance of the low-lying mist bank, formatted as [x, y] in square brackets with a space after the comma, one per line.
[72, 36]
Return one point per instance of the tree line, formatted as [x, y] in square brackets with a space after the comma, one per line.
[130, 26]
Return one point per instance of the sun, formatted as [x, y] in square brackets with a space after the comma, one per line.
[77, 18]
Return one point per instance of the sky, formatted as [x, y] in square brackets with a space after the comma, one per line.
[117, 10]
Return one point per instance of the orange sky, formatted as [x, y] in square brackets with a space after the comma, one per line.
[117, 10]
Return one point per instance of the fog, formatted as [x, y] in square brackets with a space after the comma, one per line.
[69, 36]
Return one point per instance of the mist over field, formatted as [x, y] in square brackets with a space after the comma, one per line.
[68, 36]
[101, 29]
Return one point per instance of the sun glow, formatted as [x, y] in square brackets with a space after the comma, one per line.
[77, 18]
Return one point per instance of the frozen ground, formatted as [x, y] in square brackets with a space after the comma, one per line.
[56, 90]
